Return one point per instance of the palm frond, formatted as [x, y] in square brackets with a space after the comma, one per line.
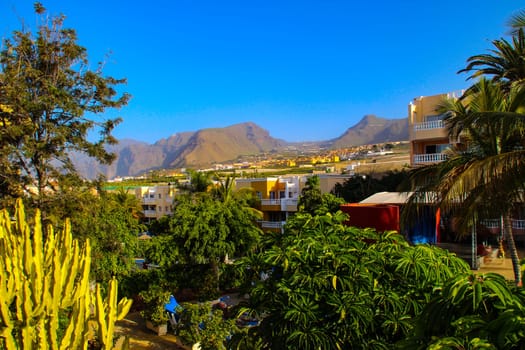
[516, 22]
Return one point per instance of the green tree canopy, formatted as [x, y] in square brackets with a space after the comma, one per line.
[110, 222]
[471, 312]
[200, 181]
[51, 102]
[330, 286]
[314, 202]
[311, 197]
[205, 230]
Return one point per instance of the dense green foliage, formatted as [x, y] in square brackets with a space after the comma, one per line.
[330, 286]
[155, 297]
[113, 229]
[204, 229]
[205, 324]
[471, 312]
[314, 202]
[110, 220]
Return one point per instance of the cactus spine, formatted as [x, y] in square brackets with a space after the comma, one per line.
[40, 280]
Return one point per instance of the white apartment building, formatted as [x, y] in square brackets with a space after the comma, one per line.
[156, 201]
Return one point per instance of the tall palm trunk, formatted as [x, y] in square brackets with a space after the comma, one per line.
[509, 237]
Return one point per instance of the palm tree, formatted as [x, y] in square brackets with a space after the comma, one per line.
[200, 182]
[517, 21]
[128, 202]
[487, 177]
[311, 197]
[224, 190]
[505, 63]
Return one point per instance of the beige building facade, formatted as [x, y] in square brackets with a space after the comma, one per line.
[427, 132]
[156, 201]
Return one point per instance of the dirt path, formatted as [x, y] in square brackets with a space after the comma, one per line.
[142, 338]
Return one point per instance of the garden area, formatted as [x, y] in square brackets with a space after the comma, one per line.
[68, 277]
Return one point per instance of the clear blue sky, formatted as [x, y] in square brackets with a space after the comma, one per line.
[303, 70]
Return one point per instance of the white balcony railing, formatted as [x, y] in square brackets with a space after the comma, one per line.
[430, 125]
[495, 224]
[283, 203]
[491, 223]
[149, 200]
[518, 224]
[429, 158]
[272, 224]
[290, 201]
[149, 213]
[270, 201]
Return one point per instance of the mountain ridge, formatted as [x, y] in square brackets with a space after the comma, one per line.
[209, 146]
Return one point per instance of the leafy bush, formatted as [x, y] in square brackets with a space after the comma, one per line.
[332, 286]
[230, 278]
[201, 323]
[155, 298]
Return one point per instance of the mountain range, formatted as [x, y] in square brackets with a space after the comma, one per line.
[202, 148]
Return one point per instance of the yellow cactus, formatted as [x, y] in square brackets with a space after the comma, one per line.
[39, 280]
[108, 312]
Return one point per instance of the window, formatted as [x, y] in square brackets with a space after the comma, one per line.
[433, 118]
[443, 147]
[440, 148]
[430, 149]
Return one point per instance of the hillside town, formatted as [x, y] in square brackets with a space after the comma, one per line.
[403, 233]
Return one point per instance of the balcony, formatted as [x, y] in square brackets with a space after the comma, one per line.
[493, 225]
[272, 224]
[429, 130]
[430, 125]
[270, 202]
[285, 204]
[149, 200]
[429, 158]
[518, 228]
[518, 224]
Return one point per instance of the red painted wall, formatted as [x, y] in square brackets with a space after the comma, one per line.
[382, 217]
